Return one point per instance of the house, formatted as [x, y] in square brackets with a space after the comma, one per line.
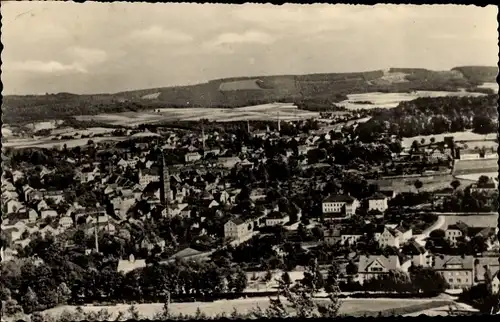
[66, 222]
[7, 254]
[394, 237]
[378, 202]
[419, 255]
[332, 236]
[238, 229]
[127, 265]
[276, 218]
[48, 213]
[350, 236]
[454, 232]
[52, 228]
[373, 266]
[339, 206]
[228, 162]
[303, 149]
[192, 157]
[489, 186]
[257, 194]
[484, 265]
[495, 283]
[460, 230]
[458, 271]
[13, 205]
[147, 176]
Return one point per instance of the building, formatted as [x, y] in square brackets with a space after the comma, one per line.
[237, 229]
[378, 202]
[454, 232]
[373, 266]
[458, 271]
[192, 157]
[495, 283]
[276, 218]
[339, 206]
[483, 266]
[350, 237]
[333, 236]
[394, 236]
[418, 254]
[228, 162]
[146, 176]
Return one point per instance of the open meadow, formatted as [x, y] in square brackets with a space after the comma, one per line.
[481, 139]
[286, 111]
[473, 220]
[349, 306]
[391, 100]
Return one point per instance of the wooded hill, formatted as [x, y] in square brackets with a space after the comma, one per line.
[243, 91]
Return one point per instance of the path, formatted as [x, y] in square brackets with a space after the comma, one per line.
[420, 239]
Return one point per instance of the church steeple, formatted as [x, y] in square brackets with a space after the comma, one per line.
[164, 183]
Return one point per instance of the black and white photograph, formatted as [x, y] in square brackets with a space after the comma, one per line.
[184, 161]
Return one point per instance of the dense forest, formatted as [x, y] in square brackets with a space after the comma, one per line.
[426, 116]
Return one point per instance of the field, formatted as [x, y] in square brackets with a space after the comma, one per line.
[349, 306]
[430, 183]
[458, 136]
[473, 220]
[493, 86]
[286, 111]
[391, 100]
[47, 143]
[475, 176]
[475, 166]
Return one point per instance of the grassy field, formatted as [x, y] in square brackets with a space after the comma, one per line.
[430, 183]
[46, 143]
[473, 220]
[257, 112]
[458, 136]
[390, 100]
[349, 306]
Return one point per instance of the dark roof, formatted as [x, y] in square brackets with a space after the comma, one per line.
[467, 262]
[377, 196]
[276, 215]
[415, 248]
[339, 198]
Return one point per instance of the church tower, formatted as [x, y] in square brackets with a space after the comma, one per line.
[164, 183]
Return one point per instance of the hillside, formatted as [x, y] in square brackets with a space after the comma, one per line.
[242, 91]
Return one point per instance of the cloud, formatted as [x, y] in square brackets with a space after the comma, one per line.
[160, 35]
[37, 66]
[88, 56]
[248, 37]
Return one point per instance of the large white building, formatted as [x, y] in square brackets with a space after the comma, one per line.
[339, 206]
[378, 202]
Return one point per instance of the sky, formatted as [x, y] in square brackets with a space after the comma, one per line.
[110, 47]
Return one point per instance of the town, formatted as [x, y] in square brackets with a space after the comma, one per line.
[246, 204]
[204, 161]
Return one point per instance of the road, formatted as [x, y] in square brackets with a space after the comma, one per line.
[420, 239]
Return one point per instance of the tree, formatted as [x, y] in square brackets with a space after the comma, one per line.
[418, 184]
[455, 184]
[133, 312]
[63, 293]
[332, 278]
[300, 299]
[427, 281]
[29, 301]
[240, 282]
[483, 181]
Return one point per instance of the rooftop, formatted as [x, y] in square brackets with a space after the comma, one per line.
[339, 198]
